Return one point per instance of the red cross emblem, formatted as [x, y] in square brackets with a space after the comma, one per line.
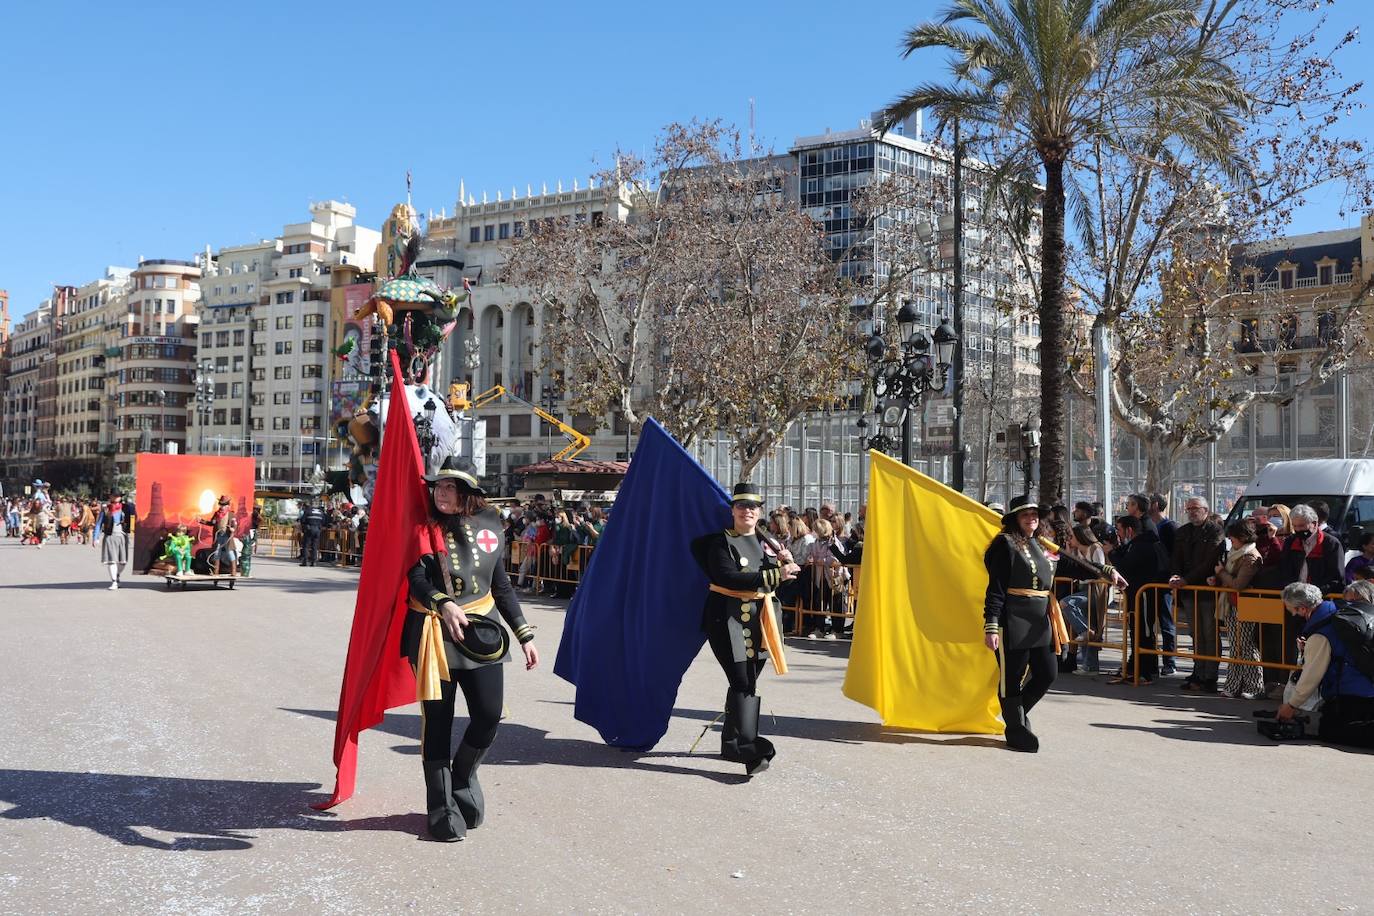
[488, 541]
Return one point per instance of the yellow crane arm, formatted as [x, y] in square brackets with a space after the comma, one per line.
[577, 442]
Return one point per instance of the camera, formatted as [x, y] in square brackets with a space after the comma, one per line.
[1271, 728]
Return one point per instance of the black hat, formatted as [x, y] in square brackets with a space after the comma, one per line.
[1020, 504]
[453, 469]
[484, 640]
[747, 494]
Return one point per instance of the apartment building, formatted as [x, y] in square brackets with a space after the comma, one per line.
[81, 370]
[29, 345]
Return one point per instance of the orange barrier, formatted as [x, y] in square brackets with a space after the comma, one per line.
[539, 564]
[1260, 606]
[816, 593]
[1100, 614]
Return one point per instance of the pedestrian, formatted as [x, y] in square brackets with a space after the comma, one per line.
[86, 521]
[1197, 549]
[1142, 560]
[312, 522]
[1084, 545]
[474, 645]
[1362, 560]
[64, 513]
[112, 530]
[744, 572]
[1017, 615]
[1237, 571]
[39, 520]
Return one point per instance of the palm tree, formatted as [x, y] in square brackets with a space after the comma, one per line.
[1052, 76]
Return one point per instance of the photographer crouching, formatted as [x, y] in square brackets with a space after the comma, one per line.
[1331, 679]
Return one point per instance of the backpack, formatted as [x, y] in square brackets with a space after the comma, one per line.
[1353, 624]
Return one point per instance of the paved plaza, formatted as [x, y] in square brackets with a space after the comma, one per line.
[159, 751]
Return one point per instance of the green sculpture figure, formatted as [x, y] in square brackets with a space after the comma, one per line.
[179, 549]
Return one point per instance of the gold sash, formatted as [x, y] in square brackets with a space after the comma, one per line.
[1058, 630]
[768, 623]
[428, 670]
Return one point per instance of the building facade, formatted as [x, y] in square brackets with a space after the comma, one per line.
[29, 345]
[81, 363]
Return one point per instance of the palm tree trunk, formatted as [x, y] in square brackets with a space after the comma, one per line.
[1052, 335]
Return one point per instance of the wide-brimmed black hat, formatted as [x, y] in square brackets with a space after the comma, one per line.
[484, 640]
[1021, 504]
[452, 469]
[746, 494]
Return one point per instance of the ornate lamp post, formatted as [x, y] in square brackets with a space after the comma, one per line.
[904, 371]
[205, 398]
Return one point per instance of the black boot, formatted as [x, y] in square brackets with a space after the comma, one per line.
[467, 792]
[729, 730]
[445, 824]
[755, 752]
[1019, 736]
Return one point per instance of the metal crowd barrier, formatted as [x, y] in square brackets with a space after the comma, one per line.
[540, 564]
[1100, 615]
[1260, 606]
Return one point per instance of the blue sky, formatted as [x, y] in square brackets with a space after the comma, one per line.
[156, 128]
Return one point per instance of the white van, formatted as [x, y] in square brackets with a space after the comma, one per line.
[1346, 485]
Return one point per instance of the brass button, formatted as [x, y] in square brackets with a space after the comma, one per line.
[748, 653]
[747, 632]
[748, 643]
[745, 616]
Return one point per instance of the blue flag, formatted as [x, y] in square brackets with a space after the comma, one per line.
[634, 625]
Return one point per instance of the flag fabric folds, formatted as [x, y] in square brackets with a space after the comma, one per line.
[376, 676]
[918, 657]
[634, 624]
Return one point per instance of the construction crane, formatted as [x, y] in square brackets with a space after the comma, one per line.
[577, 442]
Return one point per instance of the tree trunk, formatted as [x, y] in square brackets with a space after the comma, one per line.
[1161, 457]
[1052, 336]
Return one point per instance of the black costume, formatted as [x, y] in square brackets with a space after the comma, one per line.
[1017, 564]
[473, 576]
[733, 628]
[312, 523]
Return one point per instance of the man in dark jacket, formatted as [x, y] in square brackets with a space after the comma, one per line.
[313, 519]
[1312, 554]
[1141, 560]
[1197, 550]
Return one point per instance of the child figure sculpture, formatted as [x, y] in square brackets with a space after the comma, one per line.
[179, 549]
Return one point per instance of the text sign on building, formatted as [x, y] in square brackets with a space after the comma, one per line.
[156, 341]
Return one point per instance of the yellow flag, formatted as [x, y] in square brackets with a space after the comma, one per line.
[918, 656]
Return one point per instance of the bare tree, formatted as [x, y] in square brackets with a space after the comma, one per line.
[710, 303]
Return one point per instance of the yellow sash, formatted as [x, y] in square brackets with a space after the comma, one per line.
[768, 623]
[428, 670]
[1058, 630]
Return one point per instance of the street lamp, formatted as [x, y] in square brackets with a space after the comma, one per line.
[1028, 434]
[205, 398]
[904, 372]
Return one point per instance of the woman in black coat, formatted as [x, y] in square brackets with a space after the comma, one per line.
[1016, 609]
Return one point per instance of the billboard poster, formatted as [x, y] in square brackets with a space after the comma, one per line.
[355, 364]
[185, 490]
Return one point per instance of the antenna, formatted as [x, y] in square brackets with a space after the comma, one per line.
[751, 124]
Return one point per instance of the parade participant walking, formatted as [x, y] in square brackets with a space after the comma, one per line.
[744, 571]
[312, 523]
[1020, 622]
[86, 521]
[112, 530]
[453, 642]
[40, 519]
[64, 519]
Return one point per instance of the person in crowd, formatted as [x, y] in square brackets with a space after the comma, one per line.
[1330, 681]
[1267, 545]
[65, 512]
[225, 546]
[1362, 560]
[1082, 512]
[112, 530]
[1163, 524]
[529, 558]
[1279, 518]
[1084, 546]
[1311, 554]
[13, 525]
[829, 579]
[1323, 511]
[85, 521]
[1237, 571]
[1141, 559]
[453, 590]
[1259, 514]
[1138, 506]
[1017, 622]
[744, 573]
[40, 520]
[1197, 550]
[797, 592]
[312, 522]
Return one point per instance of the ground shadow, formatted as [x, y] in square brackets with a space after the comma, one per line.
[521, 745]
[204, 815]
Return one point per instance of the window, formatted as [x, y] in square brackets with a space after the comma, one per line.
[259, 324]
[519, 230]
[283, 322]
[1286, 279]
[312, 370]
[283, 347]
[234, 289]
[236, 416]
[310, 397]
[281, 372]
[281, 397]
[1249, 339]
[280, 449]
[237, 390]
[312, 346]
[238, 363]
[255, 423]
[238, 338]
[279, 423]
[503, 231]
[259, 375]
[285, 298]
[488, 232]
[221, 364]
[206, 341]
[475, 234]
[1326, 274]
[1326, 327]
[314, 320]
[519, 424]
[219, 416]
[222, 339]
[309, 424]
[295, 272]
[258, 399]
[260, 349]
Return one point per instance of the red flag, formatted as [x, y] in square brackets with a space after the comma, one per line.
[376, 676]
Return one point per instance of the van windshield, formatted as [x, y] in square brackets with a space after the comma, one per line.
[1248, 504]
